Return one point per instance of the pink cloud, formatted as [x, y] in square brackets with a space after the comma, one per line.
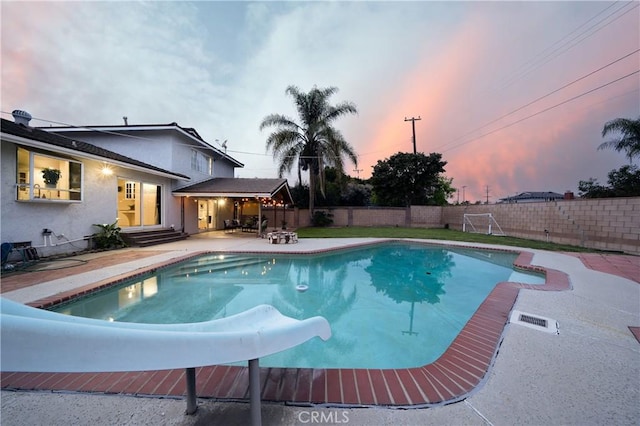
[548, 152]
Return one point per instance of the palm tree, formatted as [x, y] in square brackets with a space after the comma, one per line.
[629, 141]
[314, 143]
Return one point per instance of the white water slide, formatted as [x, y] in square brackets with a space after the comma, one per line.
[36, 340]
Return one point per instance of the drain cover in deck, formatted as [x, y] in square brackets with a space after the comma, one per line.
[535, 322]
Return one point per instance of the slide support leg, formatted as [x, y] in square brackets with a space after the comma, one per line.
[192, 405]
[254, 392]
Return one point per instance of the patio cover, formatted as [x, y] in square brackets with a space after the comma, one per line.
[276, 189]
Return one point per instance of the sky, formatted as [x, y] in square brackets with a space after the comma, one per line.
[514, 95]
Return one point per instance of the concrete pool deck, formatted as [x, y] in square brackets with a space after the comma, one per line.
[588, 374]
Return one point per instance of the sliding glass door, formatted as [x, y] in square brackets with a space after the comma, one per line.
[139, 204]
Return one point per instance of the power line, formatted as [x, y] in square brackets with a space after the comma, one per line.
[536, 64]
[86, 128]
[533, 60]
[539, 99]
[544, 110]
[121, 132]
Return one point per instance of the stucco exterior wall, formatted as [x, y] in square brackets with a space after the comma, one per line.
[222, 168]
[23, 221]
[150, 147]
[167, 149]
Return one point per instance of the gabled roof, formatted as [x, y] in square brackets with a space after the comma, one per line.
[239, 188]
[548, 195]
[121, 129]
[34, 137]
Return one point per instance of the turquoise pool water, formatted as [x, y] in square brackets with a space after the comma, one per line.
[394, 305]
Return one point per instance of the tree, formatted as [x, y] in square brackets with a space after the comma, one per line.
[356, 194]
[344, 190]
[407, 179]
[444, 191]
[624, 182]
[313, 143]
[628, 139]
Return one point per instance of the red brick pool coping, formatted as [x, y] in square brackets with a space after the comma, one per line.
[456, 373]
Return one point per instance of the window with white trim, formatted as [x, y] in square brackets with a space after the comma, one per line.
[201, 162]
[43, 177]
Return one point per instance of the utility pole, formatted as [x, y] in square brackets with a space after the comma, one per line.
[487, 194]
[413, 126]
[357, 172]
[463, 199]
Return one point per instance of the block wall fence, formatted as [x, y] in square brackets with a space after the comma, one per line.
[604, 223]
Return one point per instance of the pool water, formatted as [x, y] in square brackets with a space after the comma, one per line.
[393, 305]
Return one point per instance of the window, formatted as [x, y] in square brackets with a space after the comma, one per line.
[42, 177]
[201, 162]
[130, 190]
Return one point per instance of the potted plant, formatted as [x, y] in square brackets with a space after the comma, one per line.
[51, 177]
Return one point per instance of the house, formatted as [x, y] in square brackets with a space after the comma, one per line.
[58, 216]
[206, 200]
[533, 197]
[138, 175]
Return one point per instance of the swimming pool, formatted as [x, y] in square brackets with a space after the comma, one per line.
[392, 305]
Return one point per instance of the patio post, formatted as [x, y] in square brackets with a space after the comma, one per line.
[259, 216]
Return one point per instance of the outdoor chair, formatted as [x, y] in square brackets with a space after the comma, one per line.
[230, 225]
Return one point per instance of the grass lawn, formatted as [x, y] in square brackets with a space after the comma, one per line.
[432, 234]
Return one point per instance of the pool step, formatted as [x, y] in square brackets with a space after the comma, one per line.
[216, 266]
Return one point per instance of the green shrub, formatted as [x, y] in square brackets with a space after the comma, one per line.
[322, 218]
[108, 237]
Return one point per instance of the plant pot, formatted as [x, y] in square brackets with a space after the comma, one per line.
[50, 185]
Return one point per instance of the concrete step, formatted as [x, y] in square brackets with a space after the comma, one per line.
[150, 238]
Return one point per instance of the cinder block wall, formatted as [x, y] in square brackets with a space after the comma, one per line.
[603, 224]
[427, 216]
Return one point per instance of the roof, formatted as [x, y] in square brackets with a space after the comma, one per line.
[548, 195]
[80, 148]
[239, 188]
[120, 129]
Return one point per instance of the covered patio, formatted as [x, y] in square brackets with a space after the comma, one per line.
[235, 204]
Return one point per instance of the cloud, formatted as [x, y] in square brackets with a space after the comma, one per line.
[222, 66]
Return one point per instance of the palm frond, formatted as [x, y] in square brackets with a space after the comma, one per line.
[278, 120]
[312, 141]
[629, 139]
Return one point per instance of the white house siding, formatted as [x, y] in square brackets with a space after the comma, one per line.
[181, 147]
[168, 149]
[151, 147]
[223, 169]
[24, 220]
